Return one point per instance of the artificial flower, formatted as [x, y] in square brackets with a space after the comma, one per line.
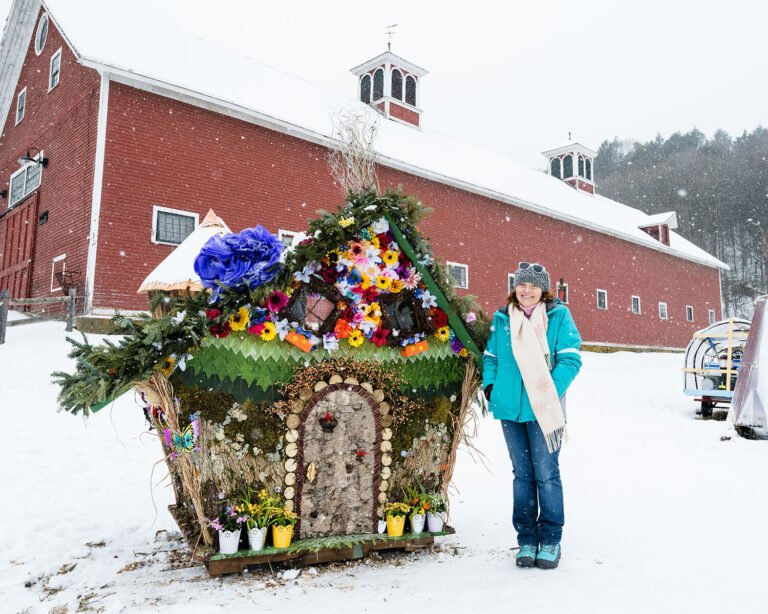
[239, 321]
[329, 275]
[397, 286]
[370, 294]
[330, 342]
[390, 258]
[356, 250]
[372, 255]
[463, 352]
[342, 330]
[383, 282]
[257, 329]
[355, 338]
[212, 314]
[443, 333]
[375, 242]
[345, 222]
[220, 330]
[368, 326]
[282, 328]
[307, 271]
[179, 317]
[365, 281]
[169, 364]
[332, 257]
[269, 332]
[470, 317]
[428, 299]
[412, 280]
[439, 317]
[380, 226]
[276, 301]
[379, 336]
[456, 345]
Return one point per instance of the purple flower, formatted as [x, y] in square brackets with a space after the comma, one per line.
[215, 524]
[167, 435]
[456, 345]
[239, 261]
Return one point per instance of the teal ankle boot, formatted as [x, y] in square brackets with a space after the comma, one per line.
[526, 556]
[548, 556]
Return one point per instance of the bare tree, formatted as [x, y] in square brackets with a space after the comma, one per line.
[353, 162]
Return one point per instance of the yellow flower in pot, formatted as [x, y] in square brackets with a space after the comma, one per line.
[282, 527]
[395, 514]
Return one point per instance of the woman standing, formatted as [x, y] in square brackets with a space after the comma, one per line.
[531, 358]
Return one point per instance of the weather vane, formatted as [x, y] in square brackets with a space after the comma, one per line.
[390, 33]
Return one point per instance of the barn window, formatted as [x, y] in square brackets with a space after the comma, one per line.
[511, 282]
[58, 268]
[568, 166]
[689, 313]
[365, 89]
[554, 168]
[662, 311]
[588, 166]
[21, 105]
[378, 84]
[53, 80]
[397, 84]
[42, 34]
[172, 226]
[602, 299]
[25, 181]
[581, 166]
[410, 90]
[636, 304]
[711, 316]
[287, 237]
[458, 274]
[561, 291]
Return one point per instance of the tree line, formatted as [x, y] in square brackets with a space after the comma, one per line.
[717, 186]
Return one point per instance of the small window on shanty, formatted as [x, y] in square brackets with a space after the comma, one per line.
[378, 84]
[365, 89]
[55, 74]
[410, 90]
[554, 168]
[689, 313]
[588, 165]
[711, 316]
[172, 226]
[662, 311]
[397, 84]
[21, 105]
[581, 166]
[458, 274]
[602, 299]
[567, 166]
[636, 305]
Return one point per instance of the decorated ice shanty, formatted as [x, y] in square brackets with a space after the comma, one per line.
[338, 381]
[712, 362]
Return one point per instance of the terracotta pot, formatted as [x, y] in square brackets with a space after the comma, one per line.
[395, 525]
[417, 523]
[257, 538]
[435, 522]
[281, 536]
[229, 541]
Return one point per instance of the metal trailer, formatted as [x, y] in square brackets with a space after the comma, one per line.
[712, 362]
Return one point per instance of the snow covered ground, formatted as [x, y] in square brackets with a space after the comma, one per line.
[661, 516]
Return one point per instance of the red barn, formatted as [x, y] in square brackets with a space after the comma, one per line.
[111, 153]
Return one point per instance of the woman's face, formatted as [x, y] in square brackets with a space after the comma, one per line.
[528, 294]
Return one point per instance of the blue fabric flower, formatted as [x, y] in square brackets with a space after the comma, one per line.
[240, 261]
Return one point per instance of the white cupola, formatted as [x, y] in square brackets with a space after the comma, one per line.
[390, 85]
[573, 163]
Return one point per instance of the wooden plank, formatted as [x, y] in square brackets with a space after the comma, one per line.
[39, 301]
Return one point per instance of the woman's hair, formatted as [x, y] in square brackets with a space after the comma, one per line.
[546, 296]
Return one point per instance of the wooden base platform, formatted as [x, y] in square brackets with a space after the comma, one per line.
[321, 550]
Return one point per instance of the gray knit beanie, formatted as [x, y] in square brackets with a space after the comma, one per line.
[530, 275]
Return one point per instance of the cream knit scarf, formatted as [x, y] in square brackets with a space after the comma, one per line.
[531, 352]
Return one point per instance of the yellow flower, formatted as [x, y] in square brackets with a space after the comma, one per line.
[375, 242]
[443, 333]
[383, 282]
[355, 338]
[169, 364]
[463, 352]
[344, 222]
[396, 286]
[241, 321]
[270, 332]
[390, 257]
[366, 281]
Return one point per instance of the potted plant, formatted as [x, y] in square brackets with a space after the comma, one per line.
[282, 521]
[436, 512]
[229, 524]
[416, 499]
[395, 514]
[258, 511]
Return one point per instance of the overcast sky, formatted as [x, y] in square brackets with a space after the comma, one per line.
[516, 76]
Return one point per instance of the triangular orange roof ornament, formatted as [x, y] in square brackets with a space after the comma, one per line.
[211, 219]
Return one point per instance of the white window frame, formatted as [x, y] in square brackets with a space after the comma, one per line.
[43, 19]
[21, 108]
[448, 266]
[281, 234]
[511, 282]
[689, 311]
[597, 299]
[60, 258]
[632, 305]
[24, 169]
[565, 293]
[157, 209]
[666, 311]
[51, 85]
[711, 315]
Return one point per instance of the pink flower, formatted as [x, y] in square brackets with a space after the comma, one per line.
[276, 301]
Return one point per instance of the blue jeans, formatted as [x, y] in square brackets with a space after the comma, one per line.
[537, 513]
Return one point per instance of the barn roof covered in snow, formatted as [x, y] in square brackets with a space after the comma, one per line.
[205, 73]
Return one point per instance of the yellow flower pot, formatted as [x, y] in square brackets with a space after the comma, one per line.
[395, 525]
[281, 536]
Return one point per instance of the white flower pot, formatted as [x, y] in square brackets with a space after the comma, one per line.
[229, 541]
[417, 523]
[382, 528]
[257, 538]
[435, 522]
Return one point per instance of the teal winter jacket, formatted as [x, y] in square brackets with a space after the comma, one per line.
[509, 400]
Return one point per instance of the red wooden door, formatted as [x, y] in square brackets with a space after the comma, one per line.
[18, 247]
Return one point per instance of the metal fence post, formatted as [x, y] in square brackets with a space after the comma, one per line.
[71, 310]
[5, 295]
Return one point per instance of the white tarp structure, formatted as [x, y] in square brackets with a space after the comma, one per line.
[750, 399]
[177, 271]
